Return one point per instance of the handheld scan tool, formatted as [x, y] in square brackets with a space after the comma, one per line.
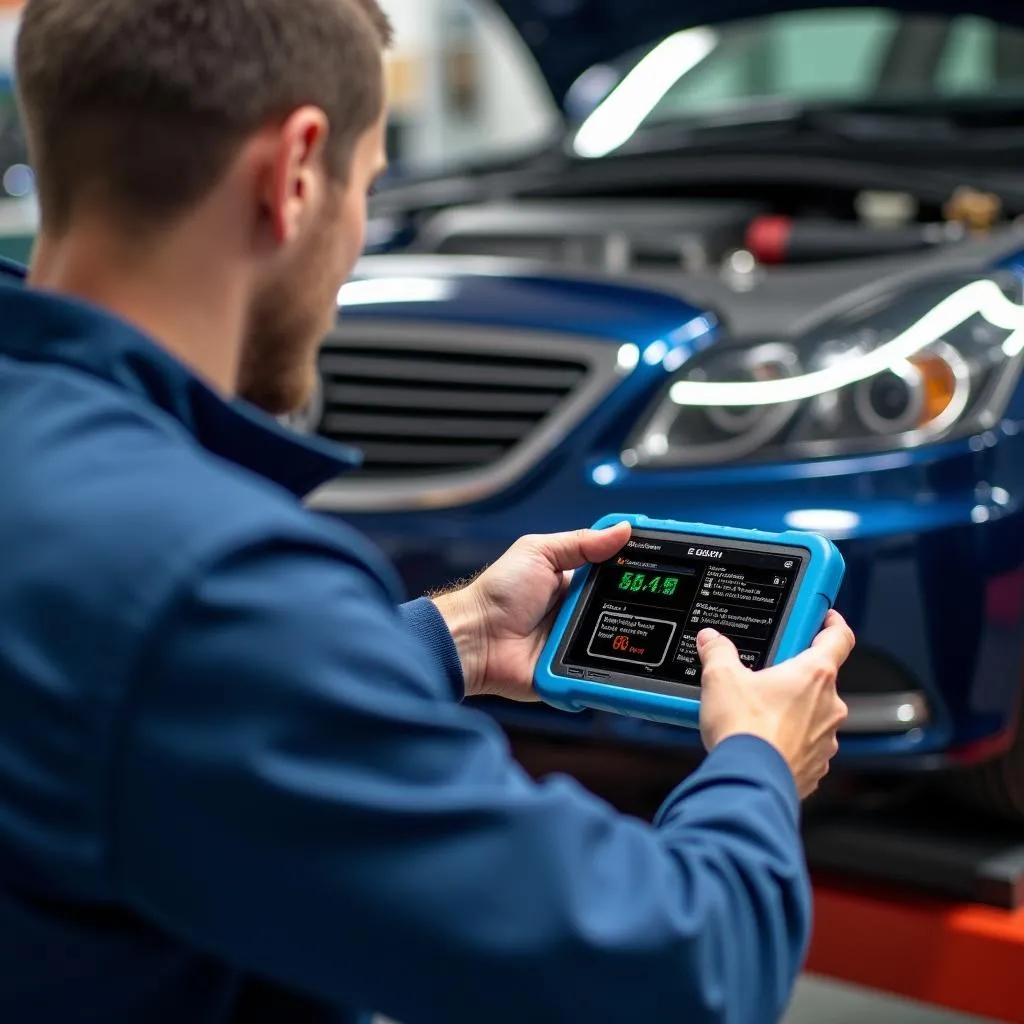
[625, 640]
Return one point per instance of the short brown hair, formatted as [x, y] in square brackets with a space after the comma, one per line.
[142, 104]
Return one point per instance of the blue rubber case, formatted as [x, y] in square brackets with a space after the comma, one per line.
[814, 595]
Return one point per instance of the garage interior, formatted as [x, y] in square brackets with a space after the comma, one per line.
[763, 172]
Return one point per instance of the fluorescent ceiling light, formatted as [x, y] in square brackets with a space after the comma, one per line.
[382, 291]
[980, 298]
[616, 120]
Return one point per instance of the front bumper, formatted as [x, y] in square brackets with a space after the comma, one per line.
[934, 546]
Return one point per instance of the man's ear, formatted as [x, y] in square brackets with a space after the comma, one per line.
[293, 185]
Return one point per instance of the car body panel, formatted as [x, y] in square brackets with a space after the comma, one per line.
[933, 537]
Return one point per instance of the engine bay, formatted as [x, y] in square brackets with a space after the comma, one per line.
[756, 262]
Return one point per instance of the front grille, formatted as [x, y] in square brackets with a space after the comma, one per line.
[422, 409]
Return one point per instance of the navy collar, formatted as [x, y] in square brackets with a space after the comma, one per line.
[42, 327]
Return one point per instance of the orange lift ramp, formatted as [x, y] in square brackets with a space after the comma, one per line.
[958, 956]
[913, 903]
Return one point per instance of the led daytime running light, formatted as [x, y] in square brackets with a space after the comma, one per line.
[983, 298]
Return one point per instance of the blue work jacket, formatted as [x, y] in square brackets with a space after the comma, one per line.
[237, 781]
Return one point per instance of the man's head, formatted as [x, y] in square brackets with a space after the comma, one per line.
[266, 116]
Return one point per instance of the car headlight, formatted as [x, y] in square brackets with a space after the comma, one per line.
[916, 364]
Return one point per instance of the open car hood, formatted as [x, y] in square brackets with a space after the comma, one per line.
[567, 37]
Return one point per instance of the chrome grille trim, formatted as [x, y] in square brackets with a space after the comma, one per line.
[502, 466]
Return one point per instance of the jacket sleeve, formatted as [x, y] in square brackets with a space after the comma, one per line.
[426, 623]
[296, 791]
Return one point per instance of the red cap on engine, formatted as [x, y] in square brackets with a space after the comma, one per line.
[768, 238]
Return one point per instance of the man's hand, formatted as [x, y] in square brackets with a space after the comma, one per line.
[794, 706]
[501, 620]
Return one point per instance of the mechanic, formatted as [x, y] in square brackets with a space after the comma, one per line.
[237, 779]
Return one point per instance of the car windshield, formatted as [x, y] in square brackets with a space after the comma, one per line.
[835, 55]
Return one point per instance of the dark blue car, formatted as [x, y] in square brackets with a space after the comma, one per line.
[770, 274]
[760, 309]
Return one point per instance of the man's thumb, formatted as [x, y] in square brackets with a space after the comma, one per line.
[572, 550]
[717, 651]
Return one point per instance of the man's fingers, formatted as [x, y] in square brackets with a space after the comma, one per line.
[835, 619]
[577, 548]
[836, 640]
[717, 652]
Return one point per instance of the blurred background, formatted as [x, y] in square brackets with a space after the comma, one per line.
[464, 88]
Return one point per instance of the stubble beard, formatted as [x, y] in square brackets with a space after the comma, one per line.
[288, 322]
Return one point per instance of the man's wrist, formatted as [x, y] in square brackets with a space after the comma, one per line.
[465, 621]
